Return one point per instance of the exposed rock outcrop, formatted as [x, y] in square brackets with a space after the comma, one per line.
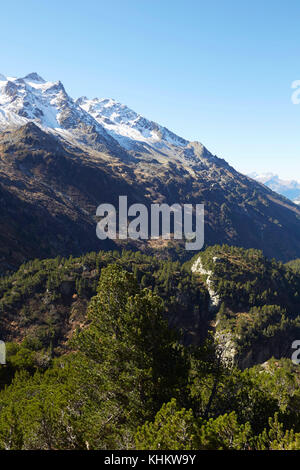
[198, 268]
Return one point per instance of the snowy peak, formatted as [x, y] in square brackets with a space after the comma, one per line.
[127, 126]
[34, 77]
[31, 98]
[101, 124]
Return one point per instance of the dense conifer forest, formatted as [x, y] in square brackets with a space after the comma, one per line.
[124, 351]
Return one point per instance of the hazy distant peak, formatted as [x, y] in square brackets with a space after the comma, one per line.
[288, 188]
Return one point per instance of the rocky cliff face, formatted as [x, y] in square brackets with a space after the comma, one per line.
[214, 298]
[254, 303]
[224, 340]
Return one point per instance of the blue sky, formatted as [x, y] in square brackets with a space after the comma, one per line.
[219, 72]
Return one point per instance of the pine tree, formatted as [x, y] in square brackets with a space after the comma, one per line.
[131, 363]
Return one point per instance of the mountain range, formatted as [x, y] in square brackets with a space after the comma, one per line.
[288, 188]
[61, 157]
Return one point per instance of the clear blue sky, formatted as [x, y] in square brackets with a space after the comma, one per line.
[219, 72]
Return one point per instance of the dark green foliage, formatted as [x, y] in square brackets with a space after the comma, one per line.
[172, 429]
[245, 279]
[294, 265]
[44, 298]
[125, 379]
[259, 301]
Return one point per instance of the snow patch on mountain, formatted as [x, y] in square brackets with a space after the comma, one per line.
[127, 126]
[100, 123]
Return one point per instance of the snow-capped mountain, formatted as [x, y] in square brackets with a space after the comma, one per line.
[289, 189]
[127, 126]
[47, 104]
[84, 121]
[60, 158]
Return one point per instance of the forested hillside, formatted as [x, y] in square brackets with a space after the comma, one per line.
[44, 301]
[258, 313]
[95, 358]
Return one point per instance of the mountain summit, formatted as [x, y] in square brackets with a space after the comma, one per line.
[88, 122]
[34, 77]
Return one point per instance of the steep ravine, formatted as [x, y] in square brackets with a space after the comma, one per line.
[223, 339]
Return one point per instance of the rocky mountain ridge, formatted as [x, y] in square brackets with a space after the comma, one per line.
[61, 158]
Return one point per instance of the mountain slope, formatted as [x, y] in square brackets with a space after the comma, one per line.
[60, 159]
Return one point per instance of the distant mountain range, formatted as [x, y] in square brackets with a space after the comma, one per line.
[60, 158]
[289, 189]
